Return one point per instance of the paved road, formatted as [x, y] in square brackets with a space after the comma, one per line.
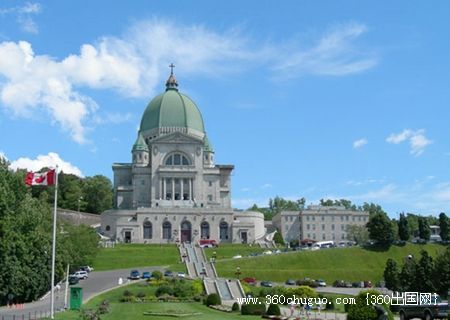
[97, 282]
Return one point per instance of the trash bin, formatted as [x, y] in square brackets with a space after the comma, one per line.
[76, 298]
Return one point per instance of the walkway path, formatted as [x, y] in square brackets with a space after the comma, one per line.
[97, 282]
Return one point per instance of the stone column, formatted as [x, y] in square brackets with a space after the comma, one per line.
[173, 189]
[190, 189]
[164, 188]
[181, 188]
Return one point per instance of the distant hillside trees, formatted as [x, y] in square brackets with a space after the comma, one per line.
[279, 204]
[89, 194]
[424, 229]
[444, 225]
[403, 229]
[380, 229]
[25, 241]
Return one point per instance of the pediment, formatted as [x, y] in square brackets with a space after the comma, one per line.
[178, 138]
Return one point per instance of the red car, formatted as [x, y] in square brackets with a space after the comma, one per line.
[250, 281]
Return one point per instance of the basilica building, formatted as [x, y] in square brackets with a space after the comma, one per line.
[173, 191]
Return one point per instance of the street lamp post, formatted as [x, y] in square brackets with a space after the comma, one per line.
[238, 272]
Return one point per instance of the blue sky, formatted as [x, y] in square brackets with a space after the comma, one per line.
[320, 99]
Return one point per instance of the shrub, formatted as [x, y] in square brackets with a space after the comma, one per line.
[235, 307]
[329, 305]
[253, 309]
[364, 311]
[127, 293]
[213, 299]
[103, 307]
[140, 295]
[89, 314]
[157, 275]
[273, 310]
[164, 290]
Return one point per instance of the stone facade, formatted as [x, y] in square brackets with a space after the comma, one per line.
[173, 190]
[318, 223]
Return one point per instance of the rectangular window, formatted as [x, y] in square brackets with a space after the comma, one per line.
[313, 218]
[309, 236]
[210, 183]
[332, 227]
[332, 218]
[334, 236]
[314, 227]
[342, 227]
[323, 236]
[307, 227]
[342, 236]
[346, 218]
[314, 236]
[210, 197]
[323, 218]
[323, 227]
[342, 218]
[286, 218]
[307, 218]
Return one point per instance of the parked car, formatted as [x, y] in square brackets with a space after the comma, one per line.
[307, 282]
[358, 284]
[267, 284]
[268, 252]
[73, 280]
[249, 280]
[290, 282]
[81, 274]
[434, 309]
[168, 273]
[181, 275]
[135, 275]
[207, 243]
[321, 283]
[342, 284]
[146, 275]
[86, 268]
[367, 284]
[238, 256]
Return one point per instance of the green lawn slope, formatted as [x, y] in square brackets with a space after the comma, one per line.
[351, 264]
[136, 255]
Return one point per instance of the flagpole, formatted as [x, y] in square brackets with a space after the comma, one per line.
[52, 286]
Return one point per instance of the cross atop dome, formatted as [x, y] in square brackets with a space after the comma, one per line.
[171, 83]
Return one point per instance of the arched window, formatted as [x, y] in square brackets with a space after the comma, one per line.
[108, 228]
[177, 159]
[204, 230]
[148, 230]
[223, 227]
[167, 230]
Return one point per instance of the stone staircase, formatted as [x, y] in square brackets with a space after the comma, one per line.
[198, 267]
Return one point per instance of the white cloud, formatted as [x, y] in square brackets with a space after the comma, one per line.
[266, 185]
[135, 65]
[417, 140]
[24, 15]
[333, 55]
[359, 143]
[49, 160]
[3, 155]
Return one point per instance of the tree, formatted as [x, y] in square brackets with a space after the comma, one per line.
[408, 274]
[363, 308]
[441, 276]
[380, 229]
[444, 225]
[356, 233]
[423, 275]
[278, 238]
[97, 193]
[403, 228]
[373, 209]
[424, 229]
[391, 275]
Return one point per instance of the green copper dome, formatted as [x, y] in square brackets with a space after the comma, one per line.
[172, 109]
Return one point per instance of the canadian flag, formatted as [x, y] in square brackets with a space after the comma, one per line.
[40, 179]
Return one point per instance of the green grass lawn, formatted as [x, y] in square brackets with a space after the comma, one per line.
[136, 255]
[351, 264]
[121, 311]
[226, 251]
